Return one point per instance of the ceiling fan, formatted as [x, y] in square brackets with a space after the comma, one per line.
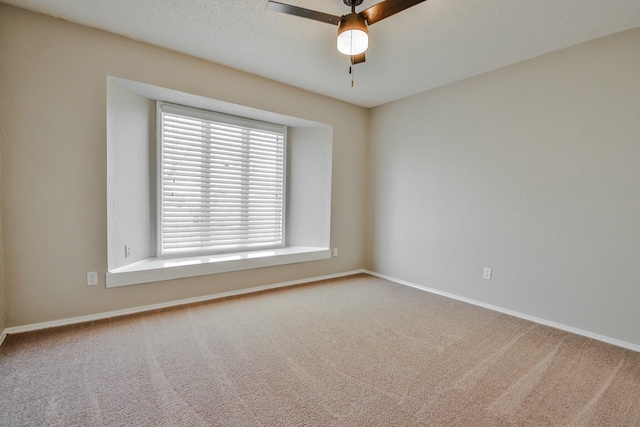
[353, 38]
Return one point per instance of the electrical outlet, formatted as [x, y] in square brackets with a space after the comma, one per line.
[487, 273]
[92, 278]
[127, 251]
[335, 251]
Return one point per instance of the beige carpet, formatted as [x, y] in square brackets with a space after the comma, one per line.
[358, 351]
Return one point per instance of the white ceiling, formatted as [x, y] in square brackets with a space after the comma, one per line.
[432, 44]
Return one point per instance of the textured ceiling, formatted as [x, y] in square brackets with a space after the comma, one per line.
[432, 44]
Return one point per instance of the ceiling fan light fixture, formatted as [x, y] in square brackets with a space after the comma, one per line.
[353, 34]
[353, 31]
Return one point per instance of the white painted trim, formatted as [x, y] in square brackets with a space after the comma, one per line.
[134, 310]
[159, 269]
[534, 319]
[3, 335]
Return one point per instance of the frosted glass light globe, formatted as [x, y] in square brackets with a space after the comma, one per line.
[353, 42]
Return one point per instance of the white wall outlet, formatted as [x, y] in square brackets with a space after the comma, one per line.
[127, 251]
[92, 278]
[487, 273]
[335, 251]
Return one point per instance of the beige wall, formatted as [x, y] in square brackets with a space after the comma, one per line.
[532, 170]
[3, 304]
[53, 83]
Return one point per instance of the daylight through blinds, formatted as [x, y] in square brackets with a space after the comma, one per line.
[222, 186]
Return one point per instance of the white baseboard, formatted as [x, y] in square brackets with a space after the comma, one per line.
[134, 310]
[534, 319]
[3, 335]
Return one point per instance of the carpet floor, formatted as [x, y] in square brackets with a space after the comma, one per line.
[356, 351]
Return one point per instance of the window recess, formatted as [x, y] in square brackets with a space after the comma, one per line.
[135, 253]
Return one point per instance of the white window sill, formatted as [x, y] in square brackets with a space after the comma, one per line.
[158, 269]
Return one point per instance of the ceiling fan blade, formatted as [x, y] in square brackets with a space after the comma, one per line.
[357, 59]
[387, 8]
[303, 13]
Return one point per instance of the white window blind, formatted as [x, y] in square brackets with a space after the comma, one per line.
[221, 183]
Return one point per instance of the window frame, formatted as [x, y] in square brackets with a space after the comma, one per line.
[222, 118]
